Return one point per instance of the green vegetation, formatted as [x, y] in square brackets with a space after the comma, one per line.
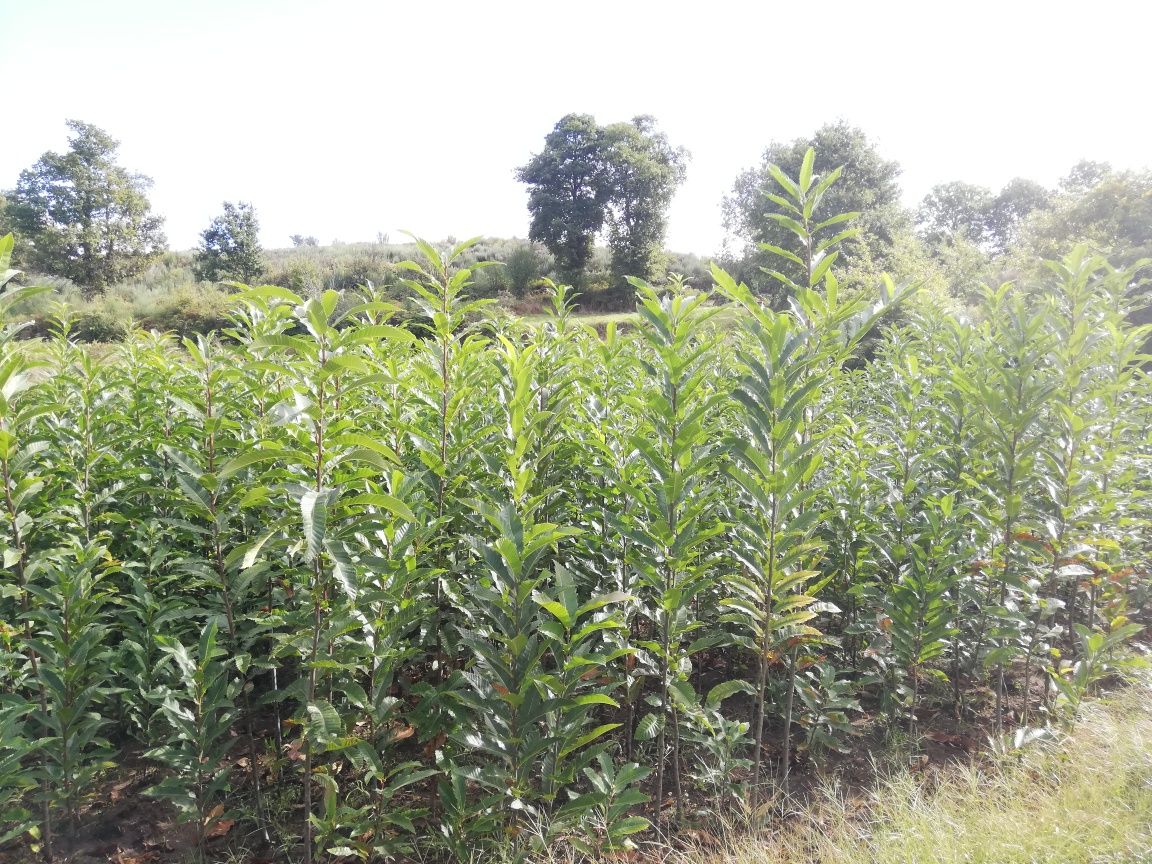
[357, 582]
[230, 246]
[598, 202]
[82, 216]
[623, 176]
[868, 188]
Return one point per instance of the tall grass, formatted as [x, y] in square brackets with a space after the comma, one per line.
[1083, 797]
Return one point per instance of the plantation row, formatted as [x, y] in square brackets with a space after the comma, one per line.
[502, 586]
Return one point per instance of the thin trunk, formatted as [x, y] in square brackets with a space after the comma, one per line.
[317, 623]
[660, 750]
[29, 651]
[765, 644]
[786, 738]
[1009, 524]
[319, 590]
[229, 611]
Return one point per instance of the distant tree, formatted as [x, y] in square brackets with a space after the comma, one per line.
[587, 176]
[568, 192]
[958, 211]
[230, 246]
[1084, 175]
[644, 171]
[83, 216]
[299, 240]
[868, 186]
[955, 209]
[523, 266]
[5, 226]
[1016, 202]
[1111, 210]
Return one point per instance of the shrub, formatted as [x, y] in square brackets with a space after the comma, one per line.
[191, 309]
[98, 325]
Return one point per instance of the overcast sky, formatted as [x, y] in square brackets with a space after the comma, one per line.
[344, 119]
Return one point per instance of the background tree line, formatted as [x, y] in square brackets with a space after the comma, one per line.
[598, 198]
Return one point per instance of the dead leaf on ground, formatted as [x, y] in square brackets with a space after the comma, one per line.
[221, 828]
[123, 856]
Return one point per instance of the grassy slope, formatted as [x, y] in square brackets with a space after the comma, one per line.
[1085, 798]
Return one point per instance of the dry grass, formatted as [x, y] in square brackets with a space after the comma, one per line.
[1086, 797]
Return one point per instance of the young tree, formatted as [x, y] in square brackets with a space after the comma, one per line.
[230, 246]
[83, 216]
[524, 266]
[868, 188]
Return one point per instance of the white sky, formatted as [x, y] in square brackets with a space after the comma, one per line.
[342, 119]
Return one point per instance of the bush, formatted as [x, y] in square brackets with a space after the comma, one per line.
[98, 325]
[191, 309]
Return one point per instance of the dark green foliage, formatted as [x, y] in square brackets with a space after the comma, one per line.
[569, 191]
[81, 215]
[230, 246]
[523, 268]
[644, 173]
[97, 326]
[586, 177]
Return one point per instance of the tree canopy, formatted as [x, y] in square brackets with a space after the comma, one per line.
[644, 170]
[868, 186]
[1109, 209]
[992, 221]
[587, 176]
[568, 192]
[230, 246]
[81, 215]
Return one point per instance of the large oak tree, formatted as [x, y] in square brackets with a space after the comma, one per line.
[81, 215]
[622, 176]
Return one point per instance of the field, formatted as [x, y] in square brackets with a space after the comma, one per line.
[320, 587]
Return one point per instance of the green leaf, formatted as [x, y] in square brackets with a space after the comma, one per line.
[314, 511]
[648, 727]
[729, 688]
[584, 740]
[244, 460]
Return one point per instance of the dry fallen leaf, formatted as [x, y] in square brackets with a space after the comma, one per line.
[293, 750]
[403, 733]
[220, 828]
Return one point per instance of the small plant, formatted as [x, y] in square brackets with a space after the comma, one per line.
[15, 819]
[70, 636]
[606, 823]
[1095, 662]
[199, 714]
[719, 743]
[829, 700]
